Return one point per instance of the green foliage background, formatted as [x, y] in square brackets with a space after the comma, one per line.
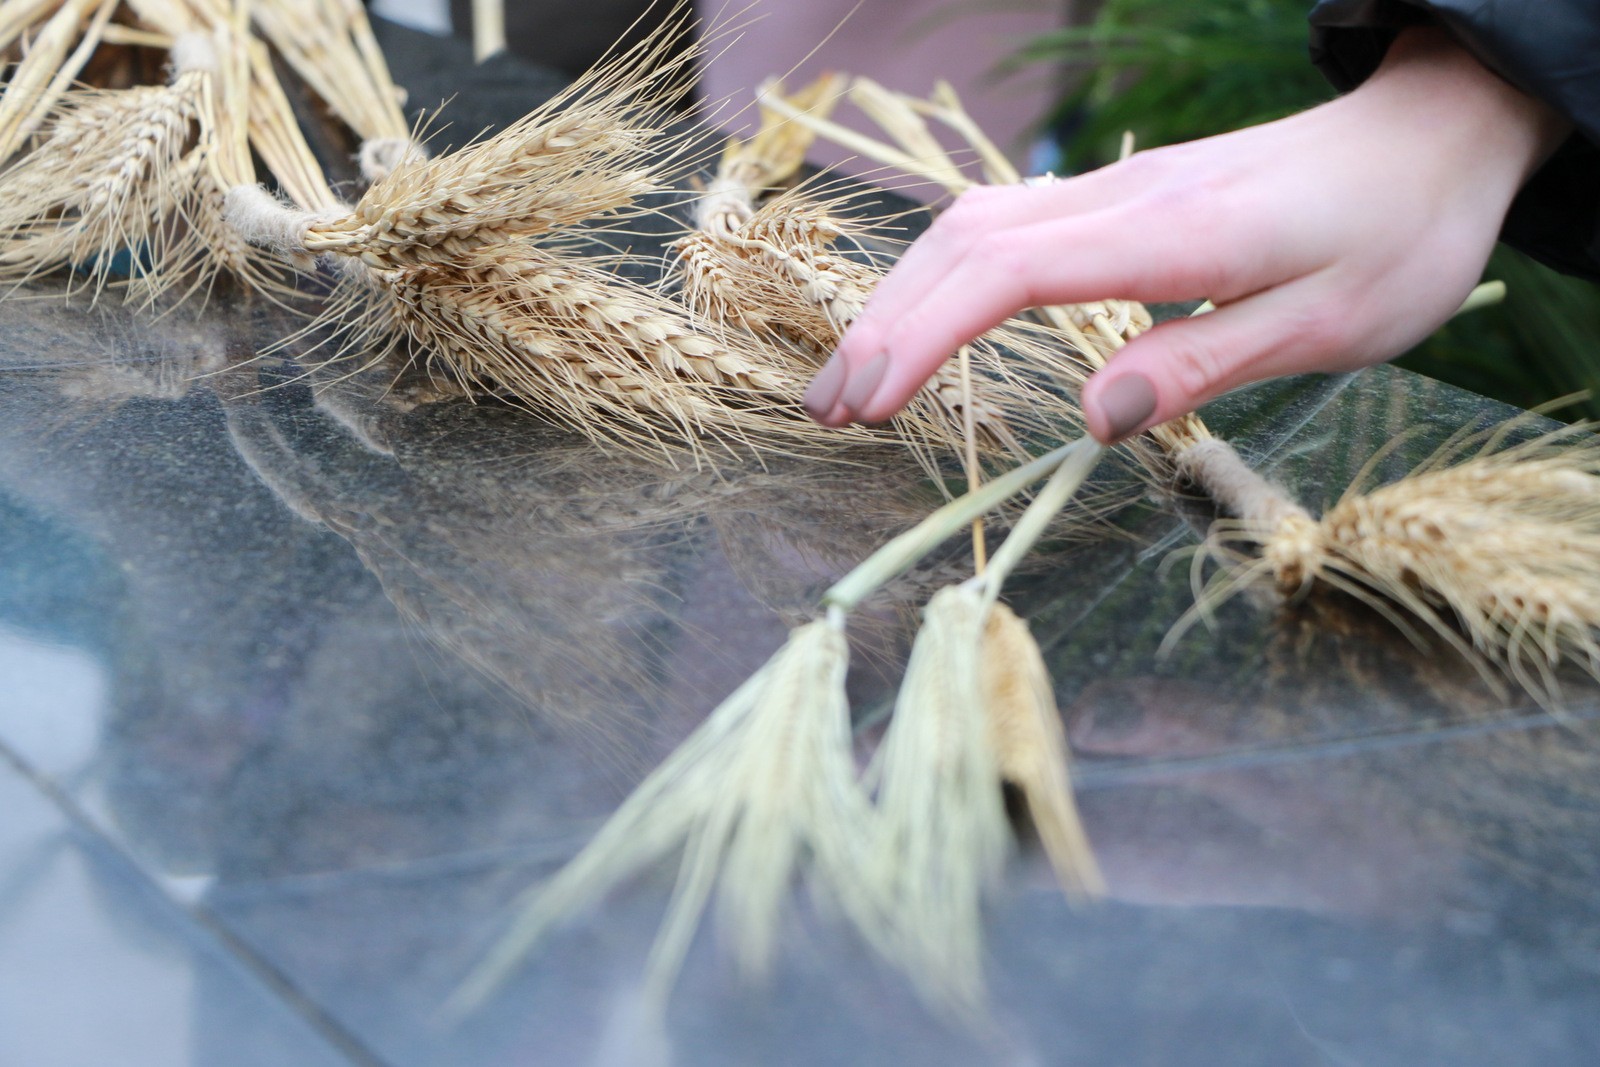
[1176, 70]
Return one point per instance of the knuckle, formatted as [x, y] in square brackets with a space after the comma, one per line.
[1319, 331]
[1155, 170]
[971, 216]
[999, 261]
[919, 336]
[1316, 333]
[1195, 366]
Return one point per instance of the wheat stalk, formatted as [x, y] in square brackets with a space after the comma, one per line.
[488, 29]
[48, 67]
[331, 47]
[19, 17]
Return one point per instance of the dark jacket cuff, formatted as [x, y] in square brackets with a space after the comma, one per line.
[1549, 49]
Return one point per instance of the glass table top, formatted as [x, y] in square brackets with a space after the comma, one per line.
[305, 681]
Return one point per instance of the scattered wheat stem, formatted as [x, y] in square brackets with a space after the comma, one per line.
[974, 471]
[488, 29]
[903, 123]
[382, 81]
[19, 16]
[946, 107]
[330, 46]
[116, 33]
[277, 136]
[901, 553]
[844, 136]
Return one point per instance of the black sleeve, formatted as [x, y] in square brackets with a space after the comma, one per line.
[1549, 49]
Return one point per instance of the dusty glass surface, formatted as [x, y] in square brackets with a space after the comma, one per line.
[304, 682]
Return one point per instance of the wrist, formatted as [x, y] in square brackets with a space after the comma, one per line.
[1443, 90]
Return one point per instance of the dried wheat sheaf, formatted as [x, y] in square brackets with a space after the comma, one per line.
[1491, 550]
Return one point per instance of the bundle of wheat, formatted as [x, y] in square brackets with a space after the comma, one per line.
[470, 254]
[126, 183]
[766, 788]
[1491, 551]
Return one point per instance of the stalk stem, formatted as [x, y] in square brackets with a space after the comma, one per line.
[1064, 483]
[980, 548]
[901, 553]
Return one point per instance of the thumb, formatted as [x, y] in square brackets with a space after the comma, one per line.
[1177, 366]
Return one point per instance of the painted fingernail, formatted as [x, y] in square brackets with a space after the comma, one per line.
[823, 392]
[1127, 403]
[863, 383]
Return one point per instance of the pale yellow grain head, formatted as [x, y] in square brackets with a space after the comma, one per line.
[1030, 747]
[943, 833]
[763, 790]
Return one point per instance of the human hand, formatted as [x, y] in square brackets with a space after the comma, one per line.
[1330, 240]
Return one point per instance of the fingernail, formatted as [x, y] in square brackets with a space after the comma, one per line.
[1127, 403]
[823, 392]
[863, 383]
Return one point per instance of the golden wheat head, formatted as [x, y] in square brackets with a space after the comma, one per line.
[1494, 553]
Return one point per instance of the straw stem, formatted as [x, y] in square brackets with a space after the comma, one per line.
[488, 29]
[1064, 483]
[903, 552]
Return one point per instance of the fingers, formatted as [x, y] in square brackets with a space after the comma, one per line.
[1127, 251]
[984, 211]
[1179, 365]
[982, 261]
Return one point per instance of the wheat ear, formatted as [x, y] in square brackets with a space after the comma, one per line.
[588, 152]
[107, 179]
[607, 358]
[767, 782]
[976, 707]
[1492, 552]
[764, 790]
